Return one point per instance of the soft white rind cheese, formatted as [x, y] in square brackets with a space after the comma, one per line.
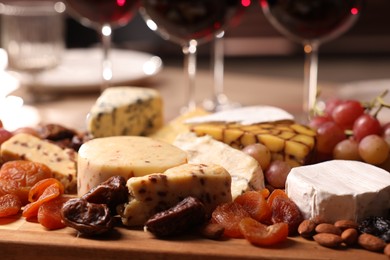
[245, 116]
[156, 192]
[126, 111]
[245, 171]
[339, 189]
[127, 156]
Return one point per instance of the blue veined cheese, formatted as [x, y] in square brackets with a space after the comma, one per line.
[157, 192]
[126, 111]
[62, 162]
[339, 189]
[127, 156]
[245, 171]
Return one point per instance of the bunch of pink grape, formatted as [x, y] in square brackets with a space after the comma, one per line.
[351, 131]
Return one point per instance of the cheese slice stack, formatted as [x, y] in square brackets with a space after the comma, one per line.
[127, 156]
[245, 171]
[157, 192]
[339, 189]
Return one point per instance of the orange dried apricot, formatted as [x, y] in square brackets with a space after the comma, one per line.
[285, 210]
[256, 205]
[263, 235]
[275, 193]
[229, 216]
[39, 188]
[10, 205]
[49, 213]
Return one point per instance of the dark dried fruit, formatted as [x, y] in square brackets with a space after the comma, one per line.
[285, 210]
[187, 214]
[377, 226]
[87, 218]
[112, 192]
[55, 132]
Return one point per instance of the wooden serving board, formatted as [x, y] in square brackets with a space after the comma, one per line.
[26, 240]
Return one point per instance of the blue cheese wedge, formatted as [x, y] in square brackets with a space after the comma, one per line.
[126, 111]
[62, 162]
[157, 192]
[127, 156]
[245, 171]
[339, 189]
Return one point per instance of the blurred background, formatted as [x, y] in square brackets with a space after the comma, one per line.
[254, 36]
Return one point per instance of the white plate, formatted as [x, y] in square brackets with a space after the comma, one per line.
[80, 69]
[366, 91]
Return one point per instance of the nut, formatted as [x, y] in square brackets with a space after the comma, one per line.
[349, 236]
[306, 228]
[371, 242]
[328, 240]
[345, 224]
[387, 250]
[327, 228]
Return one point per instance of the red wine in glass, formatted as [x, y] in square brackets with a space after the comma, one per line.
[312, 22]
[189, 23]
[103, 15]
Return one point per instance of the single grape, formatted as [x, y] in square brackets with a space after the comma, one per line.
[4, 135]
[260, 153]
[329, 135]
[330, 105]
[277, 173]
[386, 132]
[347, 149]
[347, 112]
[373, 149]
[317, 121]
[366, 125]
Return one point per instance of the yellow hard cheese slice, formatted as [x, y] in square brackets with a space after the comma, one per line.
[156, 192]
[62, 162]
[127, 156]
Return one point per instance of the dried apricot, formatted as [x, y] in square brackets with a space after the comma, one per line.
[49, 213]
[51, 192]
[256, 205]
[229, 216]
[263, 235]
[26, 174]
[39, 188]
[9, 205]
[275, 193]
[285, 210]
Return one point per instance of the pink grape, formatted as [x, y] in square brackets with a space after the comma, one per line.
[347, 112]
[260, 153]
[317, 121]
[347, 149]
[329, 135]
[366, 125]
[374, 149]
[331, 104]
[277, 173]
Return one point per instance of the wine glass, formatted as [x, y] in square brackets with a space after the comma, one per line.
[188, 23]
[103, 16]
[311, 22]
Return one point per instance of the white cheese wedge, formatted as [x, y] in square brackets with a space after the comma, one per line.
[126, 111]
[245, 171]
[245, 116]
[157, 192]
[62, 162]
[339, 189]
[127, 156]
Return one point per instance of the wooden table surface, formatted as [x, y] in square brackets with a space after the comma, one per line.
[248, 81]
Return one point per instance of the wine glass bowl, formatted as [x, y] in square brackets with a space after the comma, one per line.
[311, 23]
[103, 16]
[188, 23]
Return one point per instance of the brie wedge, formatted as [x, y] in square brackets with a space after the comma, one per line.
[339, 189]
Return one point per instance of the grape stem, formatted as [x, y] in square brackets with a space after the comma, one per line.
[381, 102]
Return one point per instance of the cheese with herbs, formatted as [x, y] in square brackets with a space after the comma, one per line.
[157, 192]
[62, 162]
[245, 171]
[127, 156]
[126, 111]
[339, 189]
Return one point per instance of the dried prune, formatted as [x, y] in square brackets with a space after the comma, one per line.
[112, 192]
[187, 214]
[87, 218]
[377, 226]
[56, 132]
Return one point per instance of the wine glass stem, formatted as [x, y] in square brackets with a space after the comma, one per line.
[106, 35]
[310, 77]
[189, 52]
[218, 67]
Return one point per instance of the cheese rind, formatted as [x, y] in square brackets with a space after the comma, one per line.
[127, 156]
[157, 192]
[339, 189]
[126, 111]
[62, 162]
[245, 171]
